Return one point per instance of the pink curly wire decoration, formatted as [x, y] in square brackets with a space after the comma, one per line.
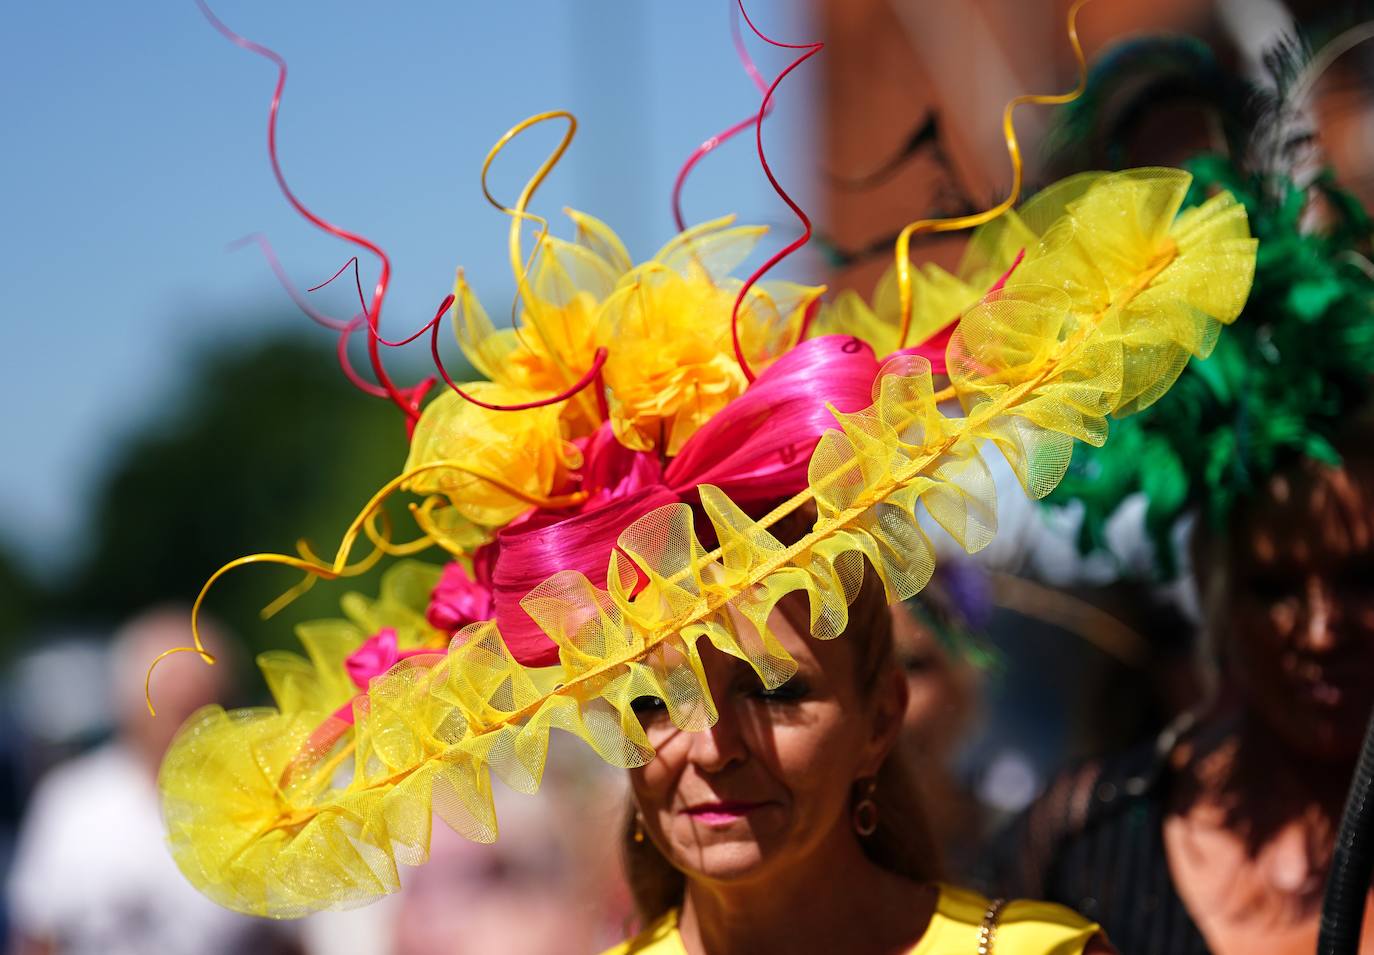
[811, 50]
[270, 254]
[407, 402]
[344, 328]
[593, 375]
[358, 282]
[727, 134]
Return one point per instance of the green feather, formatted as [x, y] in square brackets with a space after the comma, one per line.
[1277, 387]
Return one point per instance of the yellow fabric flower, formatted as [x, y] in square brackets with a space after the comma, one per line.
[672, 362]
[665, 326]
[672, 368]
[504, 461]
[555, 343]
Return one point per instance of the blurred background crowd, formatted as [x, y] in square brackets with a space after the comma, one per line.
[168, 410]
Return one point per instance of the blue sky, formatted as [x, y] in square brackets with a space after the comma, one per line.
[135, 152]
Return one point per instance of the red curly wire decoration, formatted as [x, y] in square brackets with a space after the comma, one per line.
[593, 375]
[407, 401]
[727, 134]
[344, 328]
[811, 50]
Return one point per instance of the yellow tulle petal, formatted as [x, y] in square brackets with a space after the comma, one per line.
[485, 348]
[711, 250]
[599, 238]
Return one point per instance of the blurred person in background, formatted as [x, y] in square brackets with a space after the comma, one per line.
[908, 135]
[935, 650]
[1218, 835]
[550, 884]
[12, 793]
[91, 874]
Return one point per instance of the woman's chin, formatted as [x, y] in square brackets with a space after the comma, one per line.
[725, 854]
[1324, 723]
[724, 860]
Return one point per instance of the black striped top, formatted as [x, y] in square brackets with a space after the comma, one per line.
[1095, 842]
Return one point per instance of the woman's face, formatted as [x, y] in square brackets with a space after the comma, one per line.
[941, 692]
[1301, 607]
[770, 784]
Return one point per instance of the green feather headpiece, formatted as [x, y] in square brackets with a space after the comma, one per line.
[1298, 363]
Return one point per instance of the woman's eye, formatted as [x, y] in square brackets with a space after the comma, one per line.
[651, 712]
[789, 692]
[1272, 588]
[918, 664]
[648, 706]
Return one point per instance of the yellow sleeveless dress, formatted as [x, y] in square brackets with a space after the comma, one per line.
[960, 926]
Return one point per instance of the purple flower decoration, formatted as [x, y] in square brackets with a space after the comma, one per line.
[969, 591]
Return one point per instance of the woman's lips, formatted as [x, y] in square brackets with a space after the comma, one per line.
[722, 813]
[1332, 683]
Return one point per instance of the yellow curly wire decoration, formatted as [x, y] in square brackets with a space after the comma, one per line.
[521, 265]
[422, 514]
[956, 223]
[382, 541]
[314, 568]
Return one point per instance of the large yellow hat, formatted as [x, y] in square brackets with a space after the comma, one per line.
[606, 499]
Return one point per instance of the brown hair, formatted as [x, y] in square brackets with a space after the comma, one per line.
[902, 843]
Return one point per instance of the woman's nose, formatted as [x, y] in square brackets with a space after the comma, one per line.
[1317, 630]
[723, 744]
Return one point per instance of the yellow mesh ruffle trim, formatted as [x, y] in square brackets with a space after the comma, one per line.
[268, 815]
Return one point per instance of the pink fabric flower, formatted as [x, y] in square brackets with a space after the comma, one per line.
[458, 599]
[612, 471]
[374, 657]
[377, 654]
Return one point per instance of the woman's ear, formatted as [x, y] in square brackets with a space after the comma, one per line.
[890, 698]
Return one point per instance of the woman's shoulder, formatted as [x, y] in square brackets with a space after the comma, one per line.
[660, 938]
[966, 921]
